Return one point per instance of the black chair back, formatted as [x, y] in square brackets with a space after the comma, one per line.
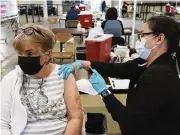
[118, 41]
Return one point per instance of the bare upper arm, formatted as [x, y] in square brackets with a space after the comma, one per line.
[72, 98]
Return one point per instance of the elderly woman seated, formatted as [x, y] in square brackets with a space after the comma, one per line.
[35, 100]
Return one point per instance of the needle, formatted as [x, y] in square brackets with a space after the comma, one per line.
[91, 68]
[113, 83]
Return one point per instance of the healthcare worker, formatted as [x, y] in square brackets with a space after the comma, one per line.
[153, 101]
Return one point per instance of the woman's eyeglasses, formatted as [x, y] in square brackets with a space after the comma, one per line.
[30, 31]
[141, 35]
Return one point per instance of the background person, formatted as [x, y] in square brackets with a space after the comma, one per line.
[103, 6]
[72, 14]
[124, 9]
[111, 25]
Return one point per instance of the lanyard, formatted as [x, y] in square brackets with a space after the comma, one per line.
[177, 67]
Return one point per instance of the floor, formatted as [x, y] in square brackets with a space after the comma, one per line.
[94, 104]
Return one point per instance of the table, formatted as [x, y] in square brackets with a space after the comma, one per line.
[120, 91]
[178, 21]
[72, 31]
[128, 32]
[85, 87]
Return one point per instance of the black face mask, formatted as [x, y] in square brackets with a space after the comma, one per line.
[30, 65]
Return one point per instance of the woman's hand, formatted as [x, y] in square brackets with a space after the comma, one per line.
[67, 69]
[97, 82]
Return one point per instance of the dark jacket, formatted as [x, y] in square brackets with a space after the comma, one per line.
[153, 101]
[114, 27]
[72, 14]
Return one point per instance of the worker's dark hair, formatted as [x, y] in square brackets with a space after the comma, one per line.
[111, 14]
[167, 26]
[72, 7]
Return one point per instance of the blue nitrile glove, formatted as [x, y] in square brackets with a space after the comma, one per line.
[79, 64]
[97, 82]
[67, 69]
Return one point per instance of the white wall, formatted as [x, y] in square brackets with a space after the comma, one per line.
[108, 3]
[30, 1]
[9, 8]
[42, 2]
[95, 5]
[60, 9]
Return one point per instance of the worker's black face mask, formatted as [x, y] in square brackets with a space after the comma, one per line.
[30, 65]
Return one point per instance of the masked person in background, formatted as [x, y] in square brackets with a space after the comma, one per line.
[153, 100]
[103, 5]
[34, 98]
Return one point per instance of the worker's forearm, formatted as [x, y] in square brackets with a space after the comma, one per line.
[115, 108]
[73, 127]
[118, 70]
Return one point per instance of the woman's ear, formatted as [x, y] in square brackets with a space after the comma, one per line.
[50, 52]
[160, 39]
[48, 56]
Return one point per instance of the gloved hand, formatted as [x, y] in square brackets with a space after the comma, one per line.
[67, 69]
[97, 82]
[79, 64]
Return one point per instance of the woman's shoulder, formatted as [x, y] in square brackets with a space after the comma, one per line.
[56, 71]
[13, 74]
[104, 21]
[56, 67]
[115, 21]
[161, 72]
[8, 81]
[10, 76]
